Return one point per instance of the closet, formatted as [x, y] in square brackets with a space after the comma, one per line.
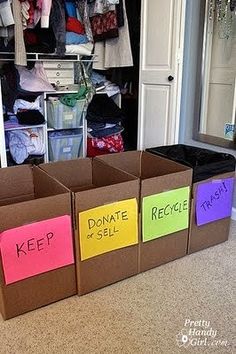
[139, 65]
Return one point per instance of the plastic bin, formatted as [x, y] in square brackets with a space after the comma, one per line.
[64, 145]
[212, 192]
[61, 116]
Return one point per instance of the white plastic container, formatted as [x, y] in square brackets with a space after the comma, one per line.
[64, 145]
[61, 116]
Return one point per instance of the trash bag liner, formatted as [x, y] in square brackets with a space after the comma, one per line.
[205, 163]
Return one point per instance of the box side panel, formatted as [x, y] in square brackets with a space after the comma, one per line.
[207, 235]
[38, 291]
[45, 185]
[2, 305]
[109, 194]
[16, 182]
[72, 173]
[153, 165]
[165, 183]
[128, 161]
[201, 237]
[35, 210]
[113, 266]
[107, 269]
[163, 250]
[105, 175]
[166, 248]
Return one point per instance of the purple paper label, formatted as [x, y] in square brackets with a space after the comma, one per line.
[214, 200]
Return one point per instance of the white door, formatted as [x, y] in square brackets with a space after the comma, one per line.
[161, 57]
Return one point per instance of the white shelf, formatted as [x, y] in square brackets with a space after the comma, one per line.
[10, 56]
[23, 127]
[56, 129]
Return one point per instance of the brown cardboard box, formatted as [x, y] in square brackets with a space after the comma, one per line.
[213, 233]
[94, 184]
[157, 175]
[29, 195]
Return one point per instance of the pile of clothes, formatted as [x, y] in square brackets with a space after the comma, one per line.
[24, 143]
[21, 82]
[104, 121]
[22, 88]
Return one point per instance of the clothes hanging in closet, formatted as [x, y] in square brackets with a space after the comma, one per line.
[115, 52]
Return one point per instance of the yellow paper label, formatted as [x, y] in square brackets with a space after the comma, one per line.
[108, 228]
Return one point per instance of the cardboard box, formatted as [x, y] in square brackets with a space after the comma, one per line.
[157, 175]
[100, 261]
[216, 231]
[33, 202]
[212, 192]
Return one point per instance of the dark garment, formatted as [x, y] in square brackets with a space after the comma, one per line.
[30, 117]
[40, 40]
[120, 14]
[232, 5]
[10, 82]
[28, 96]
[103, 109]
[58, 24]
[11, 89]
[7, 47]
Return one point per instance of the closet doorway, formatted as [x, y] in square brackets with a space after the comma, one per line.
[161, 63]
[151, 88]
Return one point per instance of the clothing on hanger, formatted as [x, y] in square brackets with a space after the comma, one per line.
[115, 52]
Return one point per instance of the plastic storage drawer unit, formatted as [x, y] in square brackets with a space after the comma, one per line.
[61, 116]
[64, 145]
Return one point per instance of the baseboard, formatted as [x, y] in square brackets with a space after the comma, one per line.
[233, 216]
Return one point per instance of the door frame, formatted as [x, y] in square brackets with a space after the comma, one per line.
[174, 121]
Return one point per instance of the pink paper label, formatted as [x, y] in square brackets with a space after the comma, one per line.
[36, 248]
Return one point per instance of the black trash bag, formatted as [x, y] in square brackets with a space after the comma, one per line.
[205, 163]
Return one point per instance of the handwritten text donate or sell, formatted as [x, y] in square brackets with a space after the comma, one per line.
[107, 228]
[165, 213]
[36, 248]
[214, 200]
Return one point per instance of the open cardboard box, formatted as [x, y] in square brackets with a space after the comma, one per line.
[95, 184]
[212, 233]
[212, 192]
[28, 196]
[157, 175]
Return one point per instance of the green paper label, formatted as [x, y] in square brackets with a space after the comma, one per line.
[165, 213]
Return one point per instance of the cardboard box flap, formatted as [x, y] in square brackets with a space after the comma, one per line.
[128, 161]
[18, 199]
[34, 210]
[153, 165]
[105, 195]
[71, 173]
[104, 174]
[165, 183]
[16, 182]
[45, 185]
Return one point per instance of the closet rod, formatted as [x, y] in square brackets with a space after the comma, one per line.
[47, 56]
